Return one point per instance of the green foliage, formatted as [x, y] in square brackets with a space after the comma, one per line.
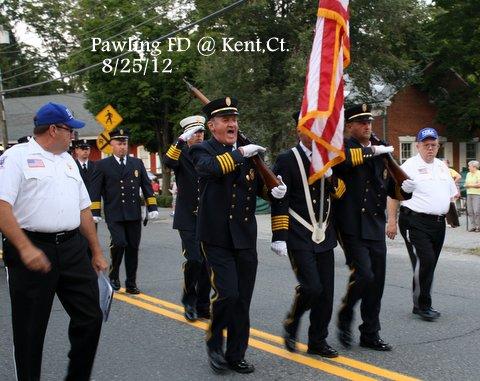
[164, 200]
[454, 79]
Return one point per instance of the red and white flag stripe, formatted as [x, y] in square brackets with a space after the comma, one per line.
[321, 115]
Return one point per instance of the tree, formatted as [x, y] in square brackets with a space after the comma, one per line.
[149, 100]
[455, 38]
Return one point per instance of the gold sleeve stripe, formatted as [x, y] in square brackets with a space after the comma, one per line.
[151, 201]
[340, 189]
[173, 153]
[357, 156]
[279, 227]
[280, 218]
[226, 162]
[96, 205]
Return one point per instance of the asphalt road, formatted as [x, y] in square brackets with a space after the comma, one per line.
[147, 338]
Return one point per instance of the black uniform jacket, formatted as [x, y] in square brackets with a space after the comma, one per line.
[87, 175]
[186, 208]
[361, 211]
[287, 228]
[120, 189]
[229, 184]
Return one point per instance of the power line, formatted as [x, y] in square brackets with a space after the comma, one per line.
[160, 39]
[103, 26]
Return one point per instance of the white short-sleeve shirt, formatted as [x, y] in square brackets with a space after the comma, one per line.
[435, 186]
[45, 190]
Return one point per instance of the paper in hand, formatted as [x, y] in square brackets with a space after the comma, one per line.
[105, 293]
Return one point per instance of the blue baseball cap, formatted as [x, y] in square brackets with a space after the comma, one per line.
[53, 113]
[426, 133]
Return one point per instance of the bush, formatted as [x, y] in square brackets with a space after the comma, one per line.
[164, 201]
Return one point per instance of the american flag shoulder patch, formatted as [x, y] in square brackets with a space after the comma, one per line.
[35, 163]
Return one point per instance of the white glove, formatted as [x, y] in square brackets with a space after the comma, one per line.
[251, 150]
[279, 191]
[153, 215]
[380, 150]
[328, 173]
[409, 186]
[97, 219]
[279, 248]
[189, 133]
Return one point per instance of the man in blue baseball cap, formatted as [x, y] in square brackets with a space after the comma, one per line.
[46, 222]
[422, 218]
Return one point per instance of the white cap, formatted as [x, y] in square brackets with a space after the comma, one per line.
[192, 121]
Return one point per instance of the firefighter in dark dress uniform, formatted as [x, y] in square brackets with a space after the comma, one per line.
[196, 286]
[312, 261]
[85, 166]
[118, 180]
[360, 218]
[227, 230]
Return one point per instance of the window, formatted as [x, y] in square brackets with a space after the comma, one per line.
[405, 151]
[470, 152]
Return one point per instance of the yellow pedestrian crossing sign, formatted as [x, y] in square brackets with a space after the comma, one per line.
[103, 143]
[109, 118]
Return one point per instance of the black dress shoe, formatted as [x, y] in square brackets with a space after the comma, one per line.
[242, 366]
[344, 334]
[190, 313]
[132, 290]
[323, 350]
[290, 341]
[376, 344]
[428, 314]
[217, 361]
[115, 283]
[203, 314]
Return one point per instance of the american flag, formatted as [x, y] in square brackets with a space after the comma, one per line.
[321, 115]
[35, 163]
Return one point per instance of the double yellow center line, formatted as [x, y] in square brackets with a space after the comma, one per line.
[271, 344]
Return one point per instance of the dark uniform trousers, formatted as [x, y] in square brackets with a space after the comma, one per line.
[367, 262]
[233, 275]
[125, 240]
[196, 287]
[424, 236]
[74, 280]
[315, 274]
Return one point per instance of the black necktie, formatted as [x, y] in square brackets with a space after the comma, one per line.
[84, 167]
[122, 164]
[229, 148]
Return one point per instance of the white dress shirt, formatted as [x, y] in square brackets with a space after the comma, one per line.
[45, 190]
[434, 186]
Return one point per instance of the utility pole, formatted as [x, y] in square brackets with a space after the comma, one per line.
[4, 39]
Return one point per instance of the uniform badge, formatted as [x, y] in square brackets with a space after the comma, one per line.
[121, 132]
[364, 107]
[385, 174]
[251, 175]
[136, 173]
[2, 161]
[228, 101]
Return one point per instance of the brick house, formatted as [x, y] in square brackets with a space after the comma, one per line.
[411, 110]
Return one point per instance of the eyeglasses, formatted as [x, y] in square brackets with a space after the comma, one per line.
[70, 130]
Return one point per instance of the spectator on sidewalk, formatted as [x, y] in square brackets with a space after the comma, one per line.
[472, 184]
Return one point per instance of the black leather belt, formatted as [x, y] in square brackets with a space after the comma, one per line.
[56, 238]
[433, 217]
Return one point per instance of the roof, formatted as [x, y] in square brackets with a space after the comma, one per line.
[20, 112]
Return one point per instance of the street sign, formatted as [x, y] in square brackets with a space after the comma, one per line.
[109, 118]
[103, 143]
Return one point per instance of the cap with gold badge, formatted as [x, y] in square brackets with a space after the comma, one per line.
[119, 133]
[359, 113]
[221, 106]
